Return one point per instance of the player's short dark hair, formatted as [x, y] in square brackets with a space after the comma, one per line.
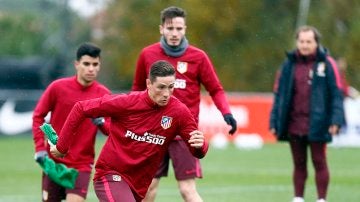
[161, 68]
[89, 49]
[305, 28]
[170, 13]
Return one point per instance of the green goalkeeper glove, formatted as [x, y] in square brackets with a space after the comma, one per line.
[50, 133]
[57, 172]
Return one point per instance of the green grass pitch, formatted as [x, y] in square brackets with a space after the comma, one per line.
[230, 175]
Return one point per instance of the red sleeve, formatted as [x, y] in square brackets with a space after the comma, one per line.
[345, 85]
[43, 107]
[200, 153]
[105, 128]
[188, 124]
[336, 72]
[212, 84]
[140, 77]
[98, 107]
[72, 122]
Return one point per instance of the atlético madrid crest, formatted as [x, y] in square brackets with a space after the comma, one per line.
[182, 67]
[166, 122]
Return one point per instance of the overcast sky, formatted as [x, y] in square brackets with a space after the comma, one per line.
[87, 8]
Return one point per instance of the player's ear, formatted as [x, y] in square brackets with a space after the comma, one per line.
[161, 29]
[76, 64]
[148, 83]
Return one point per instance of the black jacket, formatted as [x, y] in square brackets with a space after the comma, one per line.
[326, 99]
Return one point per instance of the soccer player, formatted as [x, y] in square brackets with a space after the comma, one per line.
[58, 99]
[193, 68]
[308, 108]
[143, 124]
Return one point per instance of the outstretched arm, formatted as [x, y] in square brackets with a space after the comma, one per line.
[212, 84]
[194, 138]
[197, 141]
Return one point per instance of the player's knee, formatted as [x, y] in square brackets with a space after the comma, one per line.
[154, 185]
[74, 198]
[191, 196]
[152, 191]
[187, 191]
[150, 195]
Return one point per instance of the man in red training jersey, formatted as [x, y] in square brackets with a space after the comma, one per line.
[194, 69]
[58, 99]
[143, 124]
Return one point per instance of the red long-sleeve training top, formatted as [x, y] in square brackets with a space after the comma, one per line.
[58, 99]
[140, 134]
[193, 68]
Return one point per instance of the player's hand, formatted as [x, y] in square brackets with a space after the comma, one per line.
[98, 121]
[334, 130]
[197, 139]
[273, 131]
[40, 156]
[229, 119]
[55, 152]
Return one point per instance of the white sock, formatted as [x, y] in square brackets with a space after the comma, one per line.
[321, 200]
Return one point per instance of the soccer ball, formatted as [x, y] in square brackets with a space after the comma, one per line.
[248, 141]
[219, 141]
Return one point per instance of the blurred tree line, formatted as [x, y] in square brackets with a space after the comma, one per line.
[245, 39]
[41, 35]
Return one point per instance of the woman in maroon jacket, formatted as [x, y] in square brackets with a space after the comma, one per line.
[308, 108]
